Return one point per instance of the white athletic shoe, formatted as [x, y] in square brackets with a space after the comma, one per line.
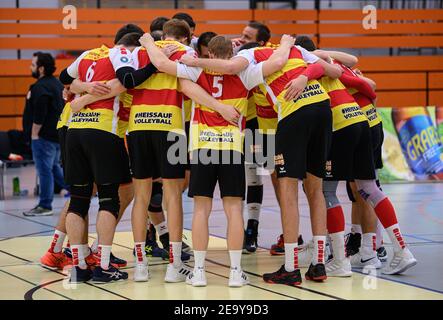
[237, 278]
[179, 274]
[197, 278]
[141, 273]
[401, 261]
[338, 268]
[305, 253]
[357, 261]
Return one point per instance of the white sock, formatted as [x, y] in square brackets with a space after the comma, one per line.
[86, 250]
[105, 255]
[94, 246]
[396, 237]
[175, 254]
[367, 249]
[319, 250]
[199, 259]
[78, 259]
[235, 256]
[356, 228]
[57, 241]
[140, 253]
[379, 233]
[291, 256]
[338, 245]
[161, 228]
[254, 211]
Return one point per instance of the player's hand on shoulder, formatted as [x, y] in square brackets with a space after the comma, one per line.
[189, 60]
[287, 40]
[170, 49]
[145, 39]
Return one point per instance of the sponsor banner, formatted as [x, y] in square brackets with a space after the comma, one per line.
[413, 144]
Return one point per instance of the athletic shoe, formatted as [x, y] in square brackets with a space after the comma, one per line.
[67, 252]
[197, 278]
[184, 257]
[316, 272]
[278, 249]
[91, 261]
[38, 212]
[79, 275]
[357, 261]
[338, 268]
[282, 276]
[237, 278]
[55, 261]
[141, 272]
[117, 262]
[382, 254]
[250, 239]
[305, 253]
[100, 275]
[352, 243]
[174, 274]
[402, 260]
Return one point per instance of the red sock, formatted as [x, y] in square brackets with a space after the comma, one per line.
[335, 220]
[386, 213]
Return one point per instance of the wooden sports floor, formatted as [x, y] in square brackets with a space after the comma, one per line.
[24, 239]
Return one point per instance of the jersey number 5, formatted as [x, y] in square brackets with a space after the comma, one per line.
[218, 85]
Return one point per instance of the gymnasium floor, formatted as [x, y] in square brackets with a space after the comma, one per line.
[24, 239]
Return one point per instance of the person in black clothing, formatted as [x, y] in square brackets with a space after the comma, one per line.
[44, 104]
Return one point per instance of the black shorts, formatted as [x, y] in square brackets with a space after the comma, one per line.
[230, 177]
[303, 140]
[62, 141]
[148, 154]
[95, 156]
[377, 144]
[187, 127]
[351, 154]
[256, 145]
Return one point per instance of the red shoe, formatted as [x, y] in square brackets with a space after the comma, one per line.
[55, 261]
[278, 249]
[91, 261]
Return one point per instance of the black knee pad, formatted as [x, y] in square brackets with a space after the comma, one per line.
[155, 204]
[255, 194]
[349, 191]
[108, 198]
[80, 199]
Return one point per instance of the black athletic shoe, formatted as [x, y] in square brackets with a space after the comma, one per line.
[284, 277]
[316, 273]
[100, 275]
[79, 275]
[352, 243]
[251, 233]
[117, 262]
[67, 252]
[382, 254]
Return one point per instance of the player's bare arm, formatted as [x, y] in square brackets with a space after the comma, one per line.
[280, 56]
[157, 57]
[347, 59]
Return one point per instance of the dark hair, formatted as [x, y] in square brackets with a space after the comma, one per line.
[305, 42]
[204, 39]
[185, 17]
[249, 45]
[157, 24]
[127, 28]
[45, 60]
[130, 40]
[157, 35]
[263, 32]
[177, 29]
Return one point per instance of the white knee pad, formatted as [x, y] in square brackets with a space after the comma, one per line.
[370, 192]
[252, 178]
[330, 193]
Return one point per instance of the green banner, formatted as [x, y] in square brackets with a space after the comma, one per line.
[413, 144]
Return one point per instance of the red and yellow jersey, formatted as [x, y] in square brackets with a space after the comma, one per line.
[345, 111]
[366, 104]
[65, 116]
[275, 83]
[157, 104]
[251, 112]
[266, 116]
[99, 64]
[209, 130]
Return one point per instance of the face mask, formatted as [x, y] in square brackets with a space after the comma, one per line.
[36, 74]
